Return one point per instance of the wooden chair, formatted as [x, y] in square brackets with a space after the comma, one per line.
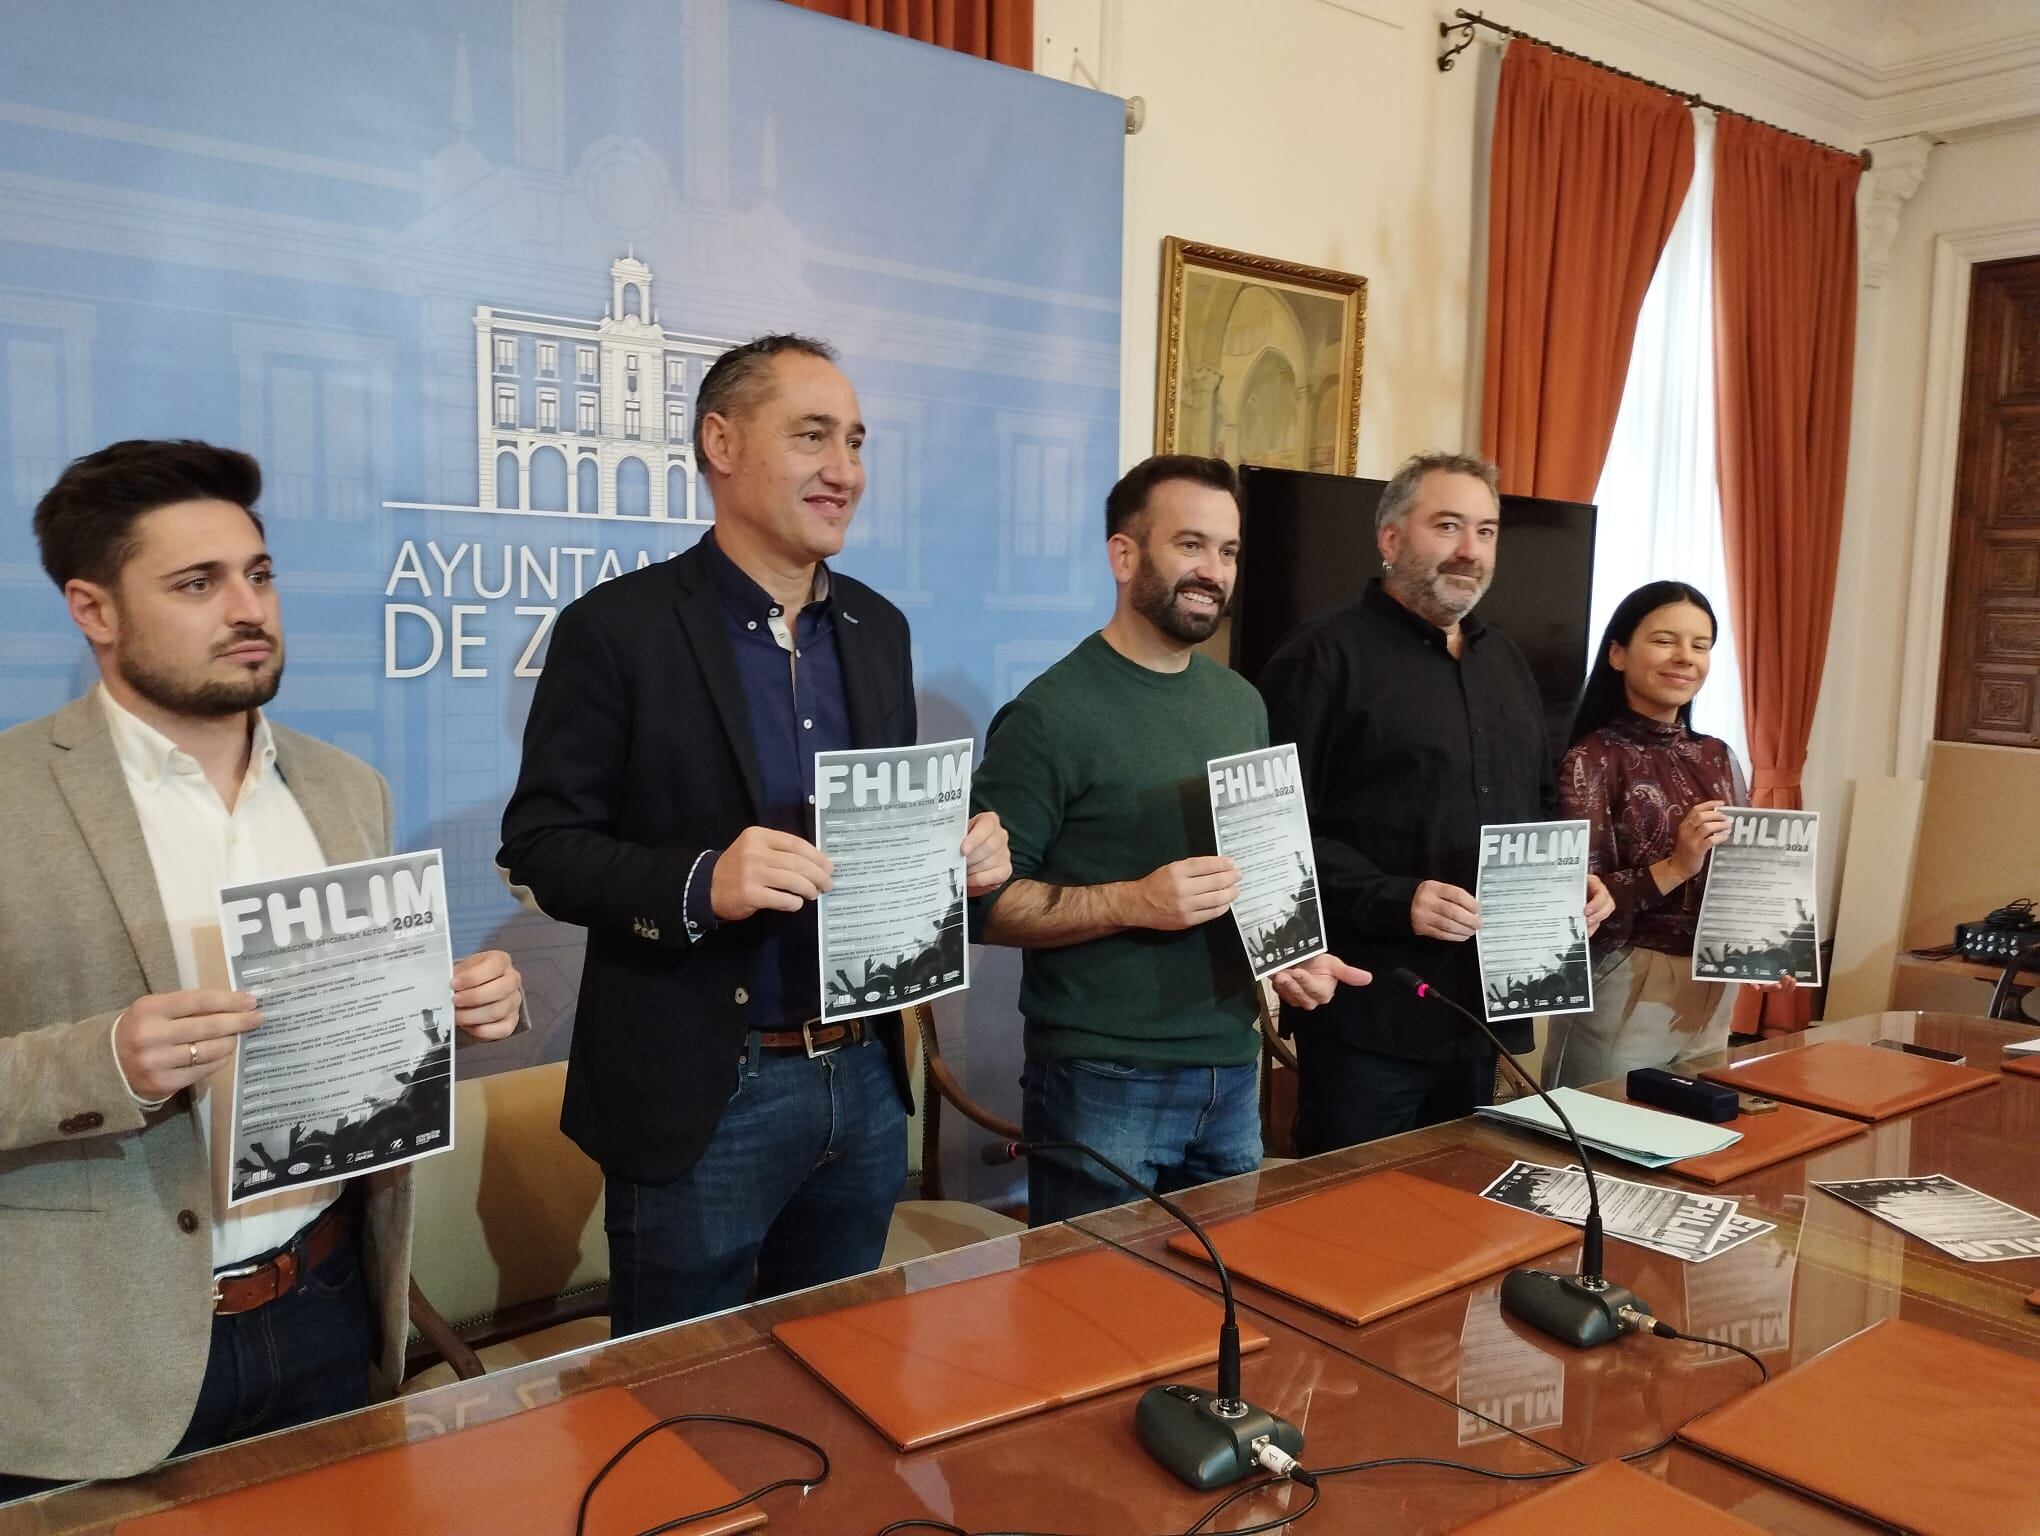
[931, 1222]
[510, 1262]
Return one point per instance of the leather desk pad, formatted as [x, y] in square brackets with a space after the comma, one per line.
[525, 1473]
[1607, 1498]
[1776, 1136]
[1859, 1081]
[936, 1363]
[1903, 1423]
[1378, 1244]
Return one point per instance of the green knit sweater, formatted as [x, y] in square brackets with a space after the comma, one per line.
[1097, 770]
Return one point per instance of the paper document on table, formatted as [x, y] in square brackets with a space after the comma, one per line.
[1646, 1137]
[1687, 1226]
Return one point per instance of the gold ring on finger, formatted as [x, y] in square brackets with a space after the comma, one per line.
[194, 1053]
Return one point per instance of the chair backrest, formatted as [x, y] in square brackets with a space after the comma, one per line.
[513, 1214]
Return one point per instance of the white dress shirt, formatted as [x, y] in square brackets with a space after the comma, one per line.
[197, 845]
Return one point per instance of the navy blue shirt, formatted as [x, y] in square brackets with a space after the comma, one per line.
[797, 708]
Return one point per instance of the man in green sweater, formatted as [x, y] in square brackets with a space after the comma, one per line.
[1139, 1003]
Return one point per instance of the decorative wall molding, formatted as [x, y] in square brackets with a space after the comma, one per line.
[1898, 166]
[1854, 71]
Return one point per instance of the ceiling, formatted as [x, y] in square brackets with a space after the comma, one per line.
[1874, 69]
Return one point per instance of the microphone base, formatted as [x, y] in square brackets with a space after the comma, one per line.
[1569, 1308]
[1182, 1428]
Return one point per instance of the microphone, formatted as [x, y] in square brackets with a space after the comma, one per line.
[1207, 1441]
[1581, 1310]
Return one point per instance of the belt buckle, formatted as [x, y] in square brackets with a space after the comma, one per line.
[241, 1273]
[807, 1040]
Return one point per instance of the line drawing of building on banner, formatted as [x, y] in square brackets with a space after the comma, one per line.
[341, 323]
[589, 417]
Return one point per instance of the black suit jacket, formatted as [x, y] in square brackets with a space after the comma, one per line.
[638, 755]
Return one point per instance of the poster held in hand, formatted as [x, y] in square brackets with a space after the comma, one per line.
[892, 821]
[1760, 919]
[1532, 890]
[351, 1068]
[1259, 819]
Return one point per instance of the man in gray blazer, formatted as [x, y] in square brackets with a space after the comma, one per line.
[140, 1318]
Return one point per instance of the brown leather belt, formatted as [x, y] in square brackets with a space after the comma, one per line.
[243, 1290]
[815, 1039]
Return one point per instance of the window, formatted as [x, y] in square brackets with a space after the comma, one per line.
[676, 373]
[549, 357]
[630, 373]
[506, 354]
[1044, 507]
[1661, 456]
[585, 418]
[676, 421]
[631, 411]
[584, 362]
[506, 405]
[548, 410]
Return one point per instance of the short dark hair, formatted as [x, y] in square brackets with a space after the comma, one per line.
[736, 380]
[84, 525]
[1400, 494]
[1125, 502]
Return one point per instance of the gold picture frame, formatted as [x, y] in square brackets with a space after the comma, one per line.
[1260, 359]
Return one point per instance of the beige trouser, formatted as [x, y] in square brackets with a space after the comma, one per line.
[1648, 1012]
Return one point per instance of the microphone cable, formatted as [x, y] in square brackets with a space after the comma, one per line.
[805, 1484]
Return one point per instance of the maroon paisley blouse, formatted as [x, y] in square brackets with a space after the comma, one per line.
[1634, 780]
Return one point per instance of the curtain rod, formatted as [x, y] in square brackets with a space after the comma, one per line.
[1467, 21]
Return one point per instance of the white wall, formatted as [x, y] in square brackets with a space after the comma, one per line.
[1321, 131]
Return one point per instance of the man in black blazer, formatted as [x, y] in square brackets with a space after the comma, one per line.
[665, 804]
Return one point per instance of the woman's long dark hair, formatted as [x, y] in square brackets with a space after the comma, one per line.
[1605, 696]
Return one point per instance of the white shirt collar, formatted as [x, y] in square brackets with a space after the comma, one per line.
[146, 754]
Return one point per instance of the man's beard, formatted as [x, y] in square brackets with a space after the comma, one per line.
[1155, 600]
[1425, 592]
[212, 698]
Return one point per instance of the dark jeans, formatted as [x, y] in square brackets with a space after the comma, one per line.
[1170, 1127]
[306, 1356]
[1345, 1095]
[798, 1186]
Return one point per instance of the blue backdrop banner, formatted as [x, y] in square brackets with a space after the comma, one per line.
[453, 273]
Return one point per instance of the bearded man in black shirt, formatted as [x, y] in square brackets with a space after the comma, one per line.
[1416, 725]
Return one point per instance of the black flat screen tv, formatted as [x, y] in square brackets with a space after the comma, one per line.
[1309, 548]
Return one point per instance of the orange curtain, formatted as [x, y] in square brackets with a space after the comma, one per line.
[1785, 343]
[999, 30]
[1588, 172]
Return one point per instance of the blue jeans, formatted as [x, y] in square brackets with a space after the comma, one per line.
[797, 1186]
[302, 1357]
[1171, 1127]
[305, 1356]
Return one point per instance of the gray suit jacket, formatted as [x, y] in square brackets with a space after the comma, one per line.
[106, 1209]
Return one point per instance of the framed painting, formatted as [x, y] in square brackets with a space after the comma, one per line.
[1260, 359]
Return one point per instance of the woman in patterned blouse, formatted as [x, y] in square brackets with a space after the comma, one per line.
[1652, 791]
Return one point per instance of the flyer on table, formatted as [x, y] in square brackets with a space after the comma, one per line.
[892, 821]
[351, 1068]
[1759, 920]
[1532, 890]
[1258, 815]
[1962, 1222]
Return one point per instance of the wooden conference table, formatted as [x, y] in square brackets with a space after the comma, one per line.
[1451, 1378]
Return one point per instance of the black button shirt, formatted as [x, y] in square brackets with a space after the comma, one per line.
[1406, 752]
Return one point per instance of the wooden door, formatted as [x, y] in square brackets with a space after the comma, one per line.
[1990, 651]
